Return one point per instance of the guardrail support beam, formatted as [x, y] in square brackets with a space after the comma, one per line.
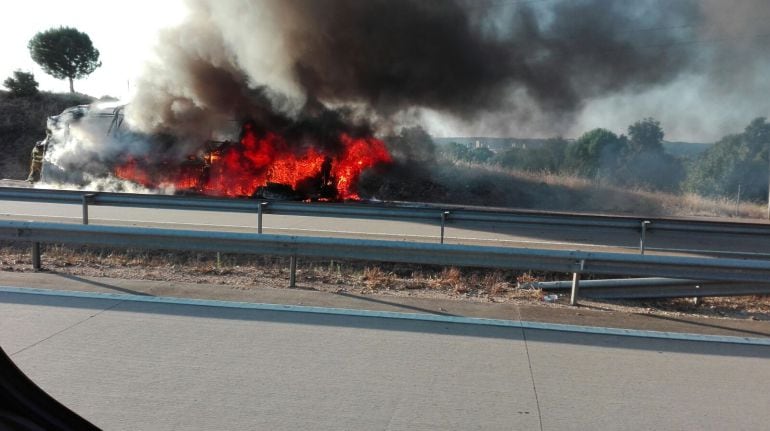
[293, 271]
[36, 256]
[260, 211]
[87, 199]
[444, 215]
[573, 298]
[642, 235]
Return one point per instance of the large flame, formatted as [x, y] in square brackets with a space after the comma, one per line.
[243, 169]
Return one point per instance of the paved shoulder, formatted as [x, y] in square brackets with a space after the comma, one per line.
[133, 362]
[582, 316]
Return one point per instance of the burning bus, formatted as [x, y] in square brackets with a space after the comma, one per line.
[91, 147]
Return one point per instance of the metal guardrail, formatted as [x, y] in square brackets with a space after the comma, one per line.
[384, 211]
[656, 288]
[390, 251]
[564, 261]
[374, 210]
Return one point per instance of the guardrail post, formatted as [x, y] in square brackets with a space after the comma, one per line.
[87, 198]
[36, 256]
[642, 235]
[293, 271]
[573, 298]
[444, 215]
[260, 211]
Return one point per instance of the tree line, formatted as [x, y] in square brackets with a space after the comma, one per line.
[638, 159]
[64, 53]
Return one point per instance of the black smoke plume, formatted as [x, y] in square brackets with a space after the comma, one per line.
[467, 57]
[463, 58]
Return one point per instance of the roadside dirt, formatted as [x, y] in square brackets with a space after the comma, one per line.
[362, 278]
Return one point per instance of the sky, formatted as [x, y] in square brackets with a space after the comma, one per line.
[124, 32]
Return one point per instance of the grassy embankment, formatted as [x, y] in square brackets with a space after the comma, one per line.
[22, 123]
[560, 192]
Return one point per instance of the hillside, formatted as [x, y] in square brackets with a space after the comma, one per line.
[675, 148]
[22, 123]
[483, 185]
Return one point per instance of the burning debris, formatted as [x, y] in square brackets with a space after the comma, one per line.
[275, 164]
[263, 165]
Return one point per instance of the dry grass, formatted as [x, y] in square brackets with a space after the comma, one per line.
[564, 192]
[260, 271]
[247, 272]
[494, 284]
[452, 279]
[546, 177]
[690, 204]
[375, 278]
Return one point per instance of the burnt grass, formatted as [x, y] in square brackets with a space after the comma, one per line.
[359, 277]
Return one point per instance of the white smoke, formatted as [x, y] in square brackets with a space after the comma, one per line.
[208, 70]
[83, 142]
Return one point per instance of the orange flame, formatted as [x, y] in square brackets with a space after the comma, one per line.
[240, 169]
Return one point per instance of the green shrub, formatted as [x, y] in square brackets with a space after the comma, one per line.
[740, 159]
[21, 84]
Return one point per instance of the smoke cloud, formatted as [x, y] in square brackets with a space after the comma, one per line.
[489, 67]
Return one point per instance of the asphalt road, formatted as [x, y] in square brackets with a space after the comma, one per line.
[528, 236]
[127, 364]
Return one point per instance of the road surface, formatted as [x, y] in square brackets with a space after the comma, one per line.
[127, 364]
[526, 236]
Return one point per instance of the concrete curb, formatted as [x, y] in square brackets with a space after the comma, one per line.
[397, 315]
